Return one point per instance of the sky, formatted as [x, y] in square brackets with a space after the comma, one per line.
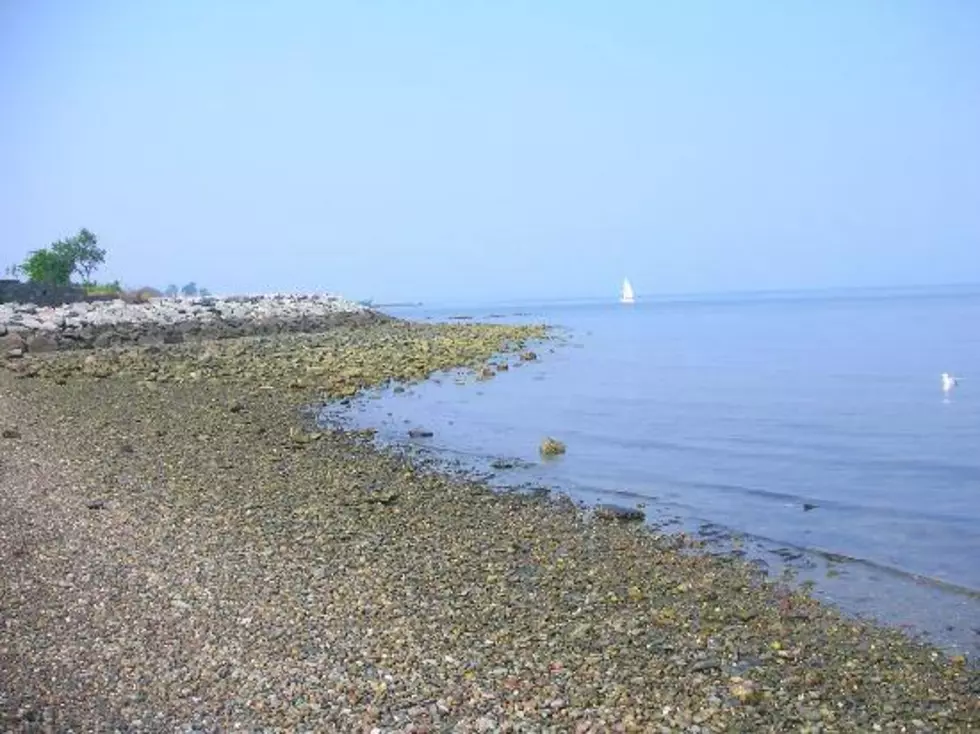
[463, 150]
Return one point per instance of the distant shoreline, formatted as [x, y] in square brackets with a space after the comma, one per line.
[651, 296]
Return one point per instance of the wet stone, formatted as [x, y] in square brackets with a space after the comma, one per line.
[619, 513]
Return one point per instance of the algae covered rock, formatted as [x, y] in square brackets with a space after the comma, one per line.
[552, 447]
[616, 512]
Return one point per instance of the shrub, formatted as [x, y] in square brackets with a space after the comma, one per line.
[141, 295]
[102, 289]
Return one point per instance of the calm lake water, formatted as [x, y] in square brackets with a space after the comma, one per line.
[812, 428]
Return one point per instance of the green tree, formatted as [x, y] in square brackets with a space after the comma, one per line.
[56, 263]
[171, 291]
[189, 290]
[47, 266]
[82, 251]
[204, 293]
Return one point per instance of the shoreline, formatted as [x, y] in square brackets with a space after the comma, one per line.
[178, 543]
[863, 589]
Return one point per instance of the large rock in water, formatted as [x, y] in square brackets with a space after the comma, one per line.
[552, 447]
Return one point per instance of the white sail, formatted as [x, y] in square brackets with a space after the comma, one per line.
[627, 294]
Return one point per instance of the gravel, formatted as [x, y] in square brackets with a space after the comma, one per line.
[180, 548]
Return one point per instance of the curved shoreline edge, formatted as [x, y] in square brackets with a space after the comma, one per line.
[178, 549]
[925, 608]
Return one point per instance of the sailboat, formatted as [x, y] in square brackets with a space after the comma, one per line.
[627, 294]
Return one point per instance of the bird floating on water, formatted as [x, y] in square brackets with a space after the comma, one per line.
[949, 382]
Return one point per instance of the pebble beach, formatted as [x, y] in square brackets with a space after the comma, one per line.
[183, 549]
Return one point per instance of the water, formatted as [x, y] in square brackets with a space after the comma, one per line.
[815, 427]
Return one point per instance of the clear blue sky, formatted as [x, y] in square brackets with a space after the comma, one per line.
[463, 149]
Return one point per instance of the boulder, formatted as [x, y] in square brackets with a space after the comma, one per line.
[42, 342]
[619, 513]
[552, 447]
[104, 339]
[11, 341]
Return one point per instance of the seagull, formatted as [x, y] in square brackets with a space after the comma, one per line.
[949, 382]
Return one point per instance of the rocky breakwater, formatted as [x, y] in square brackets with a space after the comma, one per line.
[30, 328]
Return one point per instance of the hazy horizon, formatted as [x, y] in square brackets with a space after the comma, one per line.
[443, 152]
[912, 290]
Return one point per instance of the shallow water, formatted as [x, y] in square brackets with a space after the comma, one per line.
[805, 424]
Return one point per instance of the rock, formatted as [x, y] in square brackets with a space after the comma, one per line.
[744, 690]
[96, 504]
[707, 664]
[813, 715]
[103, 339]
[486, 724]
[42, 342]
[150, 321]
[236, 407]
[622, 514]
[807, 507]
[419, 433]
[12, 341]
[30, 323]
[528, 356]
[552, 447]
[150, 340]
[502, 463]
[383, 498]
[10, 433]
